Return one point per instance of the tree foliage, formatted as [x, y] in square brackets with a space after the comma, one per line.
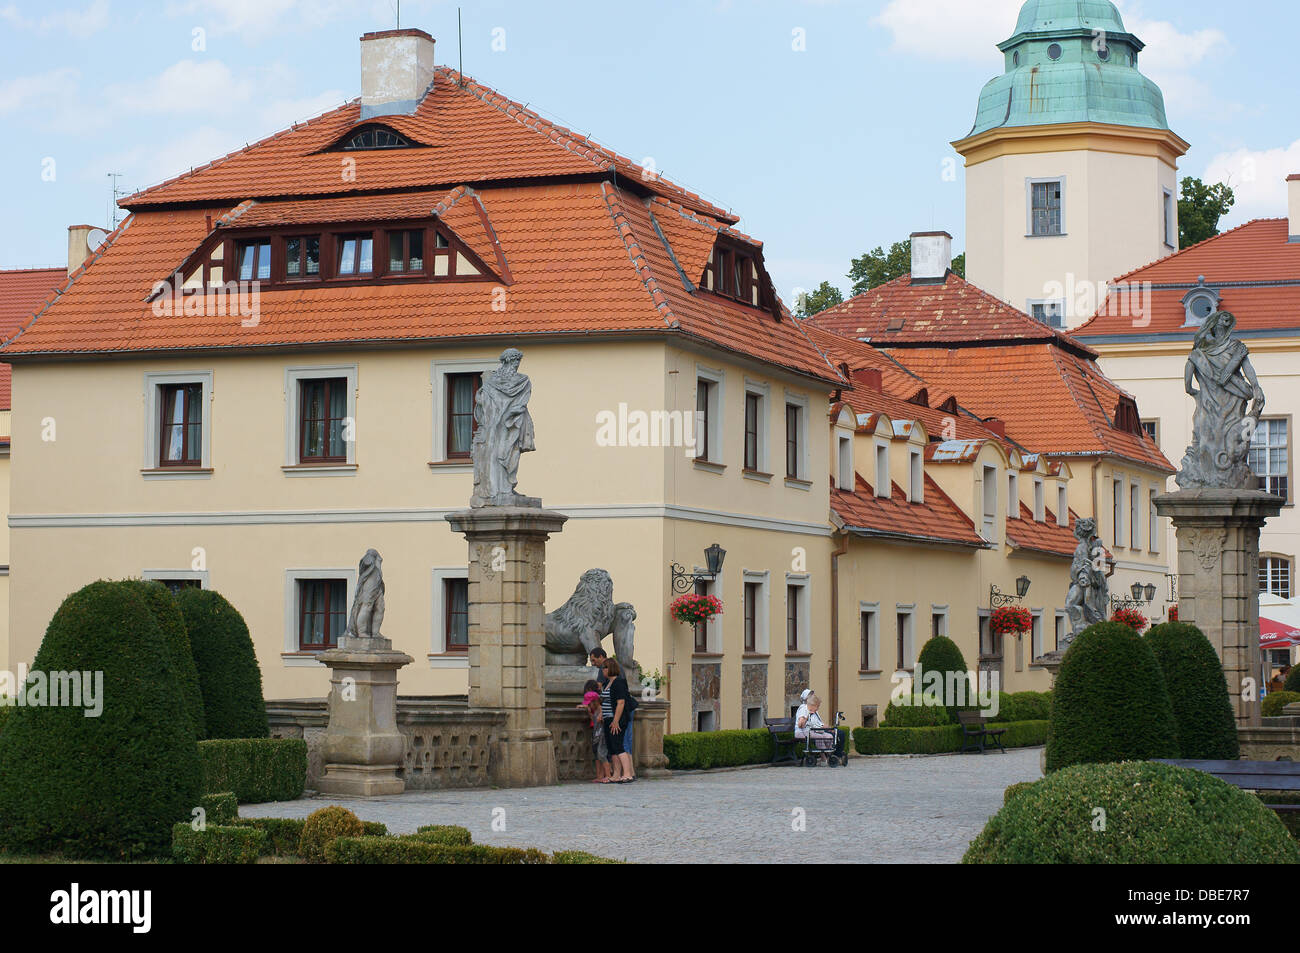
[1200, 207]
[812, 302]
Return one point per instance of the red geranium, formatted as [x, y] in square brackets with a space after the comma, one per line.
[1173, 613]
[1010, 619]
[1130, 617]
[694, 609]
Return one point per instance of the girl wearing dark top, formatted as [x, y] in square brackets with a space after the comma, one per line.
[619, 722]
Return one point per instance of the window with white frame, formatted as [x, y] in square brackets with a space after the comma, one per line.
[1036, 636]
[454, 385]
[1270, 457]
[1060, 631]
[757, 615]
[916, 476]
[178, 422]
[320, 416]
[1045, 200]
[316, 605]
[884, 485]
[990, 491]
[756, 425]
[845, 479]
[708, 414]
[796, 437]
[869, 637]
[1117, 510]
[1135, 515]
[1062, 505]
[1048, 311]
[1169, 208]
[1040, 500]
[798, 611]
[938, 621]
[1153, 533]
[1152, 430]
[904, 651]
[1275, 575]
[449, 638]
[1013, 496]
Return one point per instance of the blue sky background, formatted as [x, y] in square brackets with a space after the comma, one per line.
[825, 152]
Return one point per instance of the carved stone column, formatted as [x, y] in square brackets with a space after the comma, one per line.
[362, 748]
[1218, 581]
[507, 643]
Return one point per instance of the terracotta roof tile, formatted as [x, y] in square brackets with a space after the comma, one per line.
[22, 292]
[938, 518]
[1045, 537]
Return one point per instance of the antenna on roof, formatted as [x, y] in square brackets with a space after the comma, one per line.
[399, 14]
[117, 194]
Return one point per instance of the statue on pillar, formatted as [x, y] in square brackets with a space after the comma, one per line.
[367, 615]
[1089, 595]
[504, 430]
[1229, 402]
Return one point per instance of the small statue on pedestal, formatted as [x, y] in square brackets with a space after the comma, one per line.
[1086, 602]
[504, 430]
[367, 614]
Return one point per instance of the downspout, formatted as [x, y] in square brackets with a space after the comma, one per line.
[834, 680]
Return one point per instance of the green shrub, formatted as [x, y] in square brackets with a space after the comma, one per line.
[408, 850]
[1024, 706]
[1292, 683]
[373, 829]
[1206, 725]
[109, 786]
[911, 711]
[222, 808]
[216, 844]
[229, 677]
[580, 857]
[449, 834]
[255, 769]
[1110, 701]
[1274, 703]
[1015, 790]
[6, 709]
[1290, 819]
[167, 614]
[283, 834]
[941, 739]
[941, 655]
[323, 827]
[1154, 814]
[717, 749]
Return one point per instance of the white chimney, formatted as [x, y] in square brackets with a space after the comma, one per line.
[82, 240]
[396, 70]
[931, 256]
[1293, 206]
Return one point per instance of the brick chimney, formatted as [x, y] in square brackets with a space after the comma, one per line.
[396, 72]
[931, 257]
[1293, 206]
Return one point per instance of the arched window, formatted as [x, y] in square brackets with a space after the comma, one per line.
[376, 137]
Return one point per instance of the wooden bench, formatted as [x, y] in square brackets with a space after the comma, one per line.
[975, 731]
[1262, 776]
[782, 747]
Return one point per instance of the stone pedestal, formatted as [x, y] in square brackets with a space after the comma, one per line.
[362, 749]
[507, 644]
[1218, 581]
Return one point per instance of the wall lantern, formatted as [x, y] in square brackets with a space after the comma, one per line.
[1022, 586]
[998, 598]
[683, 581]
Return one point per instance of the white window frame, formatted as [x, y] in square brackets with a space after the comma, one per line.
[713, 644]
[803, 637]
[1062, 505]
[800, 401]
[915, 476]
[884, 482]
[1040, 500]
[1135, 520]
[153, 384]
[942, 612]
[1153, 544]
[763, 391]
[844, 478]
[872, 610]
[1036, 636]
[1059, 302]
[1013, 495]
[291, 656]
[170, 575]
[293, 378]
[909, 636]
[989, 490]
[439, 657]
[1118, 509]
[1061, 624]
[438, 374]
[1169, 212]
[716, 411]
[762, 611]
[1029, 205]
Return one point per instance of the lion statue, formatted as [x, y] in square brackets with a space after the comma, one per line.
[367, 613]
[579, 625]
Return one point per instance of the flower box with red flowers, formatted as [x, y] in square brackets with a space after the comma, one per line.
[693, 608]
[1008, 620]
[1130, 617]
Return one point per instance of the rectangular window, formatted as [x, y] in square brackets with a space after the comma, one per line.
[1040, 501]
[254, 260]
[1036, 638]
[1275, 576]
[870, 646]
[752, 590]
[1117, 511]
[1046, 208]
[180, 428]
[938, 622]
[792, 596]
[990, 503]
[461, 390]
[1270, 458]
[322, 413]
[793, 449]
[1135, 516]
[703, 417]
[904, 619]
[302, 256]
[916, 477]
[356, 254]
[845, 477]
[1048, 313]
[884, 484]
[1013, 497]
[455, 600]
[406, 251]
[1060, 632]
[1153, 543]
[322, 613]
[1062, 506]
[1152, 428]
[701, 628]
[1168, 209]
[751, 431]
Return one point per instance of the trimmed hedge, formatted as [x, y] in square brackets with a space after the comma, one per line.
[940, 654]
[255, 769]
[283, 834]
[718, 749]
[109, 786]
[1198, 691]
[167, 614]
[941, 739]
[217, 844]
[914, 713]
[1015, 790]
[222, 808]
[325, 826]
[227, 668]
[408, 850]
[1154, 814]
[1290, 819]
[581, 857]
[1110, 702]
[1274, 703]
[450, 834]
[1024, 706]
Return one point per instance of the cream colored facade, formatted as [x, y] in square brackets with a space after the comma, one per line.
[1119, 210]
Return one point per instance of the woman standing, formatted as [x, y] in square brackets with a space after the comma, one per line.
[619, 724]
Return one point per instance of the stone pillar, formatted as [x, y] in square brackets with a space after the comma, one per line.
[362, 748]
[507, 644]
[1218, 579]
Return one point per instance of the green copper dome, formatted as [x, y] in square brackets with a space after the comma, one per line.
[1070, 61]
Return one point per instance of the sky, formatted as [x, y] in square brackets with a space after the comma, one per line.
[825, 124]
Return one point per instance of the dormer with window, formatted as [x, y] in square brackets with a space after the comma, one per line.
[735, 271]
[372, 137]
[1199, 303]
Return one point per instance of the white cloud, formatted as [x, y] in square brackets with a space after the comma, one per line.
[47, 91]
[80, 23]
[1257, 178]
[198, 86]
[1175, 61]
[950, 29]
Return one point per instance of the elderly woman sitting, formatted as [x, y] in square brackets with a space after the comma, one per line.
[825, 739]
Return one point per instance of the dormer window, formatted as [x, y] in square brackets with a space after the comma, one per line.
[733, 272]
[302, 256]
[1199, 303]
[376, 137]
[356, 255]
[254, 259]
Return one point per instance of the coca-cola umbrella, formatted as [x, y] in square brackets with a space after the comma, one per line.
[1276, 635]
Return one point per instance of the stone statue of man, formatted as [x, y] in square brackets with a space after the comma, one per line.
[504, 431]
[367, 615]
[1086, 602]
[1229, 401]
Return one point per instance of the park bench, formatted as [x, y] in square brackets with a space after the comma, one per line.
[1262, 776]
[975, 732]
[783, 740]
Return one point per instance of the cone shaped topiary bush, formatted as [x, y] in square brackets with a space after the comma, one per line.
[1207, 727]
[941, 655]
[229, 676]
[1110, 702]
[167, 614]
[112, 785]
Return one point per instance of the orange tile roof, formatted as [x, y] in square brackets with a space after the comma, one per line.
[1254, 267]
[929, 314]
[938, 519]
[418, 203]
[22, 292]
[1046, 537]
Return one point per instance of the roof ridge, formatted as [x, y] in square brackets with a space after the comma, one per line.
[614, 205]
[33, 270]
[1203, 241]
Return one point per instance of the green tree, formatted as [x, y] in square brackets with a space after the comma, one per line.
[229, 676]
[1197, 689]
[879, 266]
[959, 265]
[1200, 207]
[811, 302]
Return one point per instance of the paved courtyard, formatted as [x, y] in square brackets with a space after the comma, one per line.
[891, 809]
